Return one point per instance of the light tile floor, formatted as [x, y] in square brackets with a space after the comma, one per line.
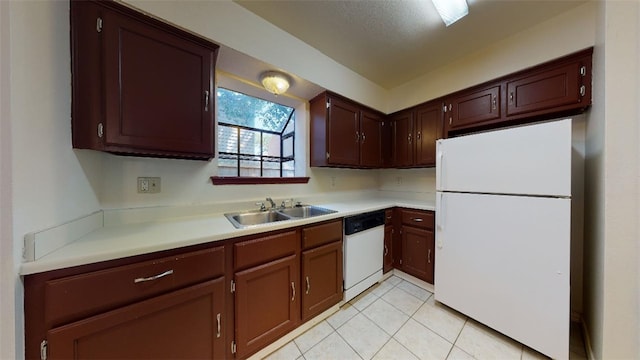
[399, 320]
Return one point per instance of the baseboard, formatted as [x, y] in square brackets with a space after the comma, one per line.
[414, 280]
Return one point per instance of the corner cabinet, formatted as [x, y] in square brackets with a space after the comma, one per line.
[415, 132]
[140, 86]
[344, 133]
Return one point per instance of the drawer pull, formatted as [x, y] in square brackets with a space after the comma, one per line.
[308, 286]
[293, 289]
[417, 219]
[218, 324]
[155, 277]
[386, 251]
[429, 257]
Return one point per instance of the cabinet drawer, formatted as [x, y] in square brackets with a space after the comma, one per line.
[321, 234]
[417, 218]
[78, 296]
[264, 249]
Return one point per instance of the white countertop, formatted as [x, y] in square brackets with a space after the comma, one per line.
[119, 241]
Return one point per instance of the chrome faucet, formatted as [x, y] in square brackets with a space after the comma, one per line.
[273, 204]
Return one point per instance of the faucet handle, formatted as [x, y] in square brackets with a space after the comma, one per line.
[284, 203]
[262, 207]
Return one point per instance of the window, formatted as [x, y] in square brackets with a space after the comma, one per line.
[256, 137]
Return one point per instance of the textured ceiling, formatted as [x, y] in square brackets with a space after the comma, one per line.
[393, 41]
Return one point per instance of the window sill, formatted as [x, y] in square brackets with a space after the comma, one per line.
[231, 180]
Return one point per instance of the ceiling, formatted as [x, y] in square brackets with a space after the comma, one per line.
[393, 41]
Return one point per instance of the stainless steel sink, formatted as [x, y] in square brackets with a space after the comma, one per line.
[306, 211]
[252, 218]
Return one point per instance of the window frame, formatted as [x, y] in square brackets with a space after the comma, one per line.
[247, 180]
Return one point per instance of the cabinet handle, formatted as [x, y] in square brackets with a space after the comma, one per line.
[308, 286]
[494, 102]
[409, 138]
[419, 135]
[416, 219]
[511, 97]
[357, 136]
[206, 100]
[429, 257]
[386, 251]
[293, 289]
[155, 277]
[450, 120]
[363, 138]
[218, 324]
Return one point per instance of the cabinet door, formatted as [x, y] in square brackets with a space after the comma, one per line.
[403, 139]
[266, 303]
[415, 251]
[158, 90]
[185, 324]
[344, 133]
[321, 278]
[387, 263]
[370, 139]
[552, 88]
[428, 130]
[474, 108]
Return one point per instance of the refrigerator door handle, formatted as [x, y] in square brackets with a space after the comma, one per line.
[440, 163]
[440, 221]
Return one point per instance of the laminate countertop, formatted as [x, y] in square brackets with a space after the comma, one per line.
[129, 239]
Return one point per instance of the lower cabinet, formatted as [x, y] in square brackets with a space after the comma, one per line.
[321, 279]
[171, 306]
[321, 268]
[184, 324]
[266, 303]
[417, 256]
[218, 301]
[389, 233]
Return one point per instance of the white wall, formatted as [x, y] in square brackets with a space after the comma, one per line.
[8, 263]
[612, 212]
[51, 183]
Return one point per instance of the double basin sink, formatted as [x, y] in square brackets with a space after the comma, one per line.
[260, 217]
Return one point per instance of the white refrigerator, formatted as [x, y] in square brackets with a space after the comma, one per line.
[503, 231]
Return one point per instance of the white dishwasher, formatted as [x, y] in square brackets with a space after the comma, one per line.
[363, 252]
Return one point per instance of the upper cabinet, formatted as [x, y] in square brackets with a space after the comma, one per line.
[139, 86]
[473, 107]
[344, 133]
[559, 87]
[415, 132]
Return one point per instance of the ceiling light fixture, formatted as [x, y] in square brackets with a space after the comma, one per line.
[275, 82]
[451, 10]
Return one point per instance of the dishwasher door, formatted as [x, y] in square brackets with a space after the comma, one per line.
[363, 256]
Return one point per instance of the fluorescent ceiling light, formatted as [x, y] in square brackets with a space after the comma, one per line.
[451, 10]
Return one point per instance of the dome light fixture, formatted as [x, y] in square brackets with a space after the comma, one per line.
[275, 82]
[451, 10]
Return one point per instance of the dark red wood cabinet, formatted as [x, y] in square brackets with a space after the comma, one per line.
[172, 306]
[415, 132]
[139, 86]
[474, 107]
[416, 249]
[561, 87]
[344, 133]
[267, 290]
[389, 234]
[321, 268]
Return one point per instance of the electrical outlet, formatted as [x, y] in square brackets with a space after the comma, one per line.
[399, 180]
[333, 181]
[148, 185]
